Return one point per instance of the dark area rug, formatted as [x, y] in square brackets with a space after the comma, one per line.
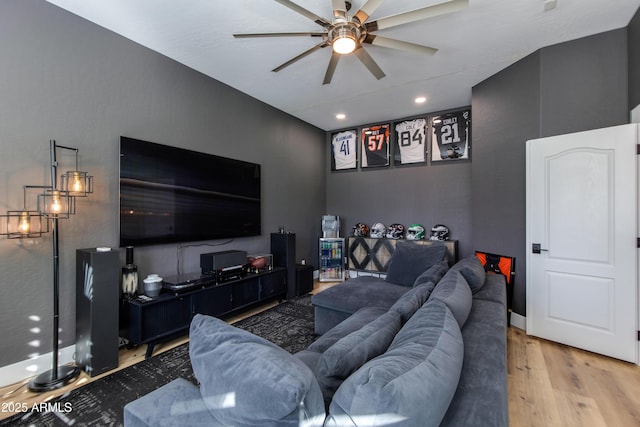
[101, 403]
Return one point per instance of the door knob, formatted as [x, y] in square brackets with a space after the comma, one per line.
[536, 248]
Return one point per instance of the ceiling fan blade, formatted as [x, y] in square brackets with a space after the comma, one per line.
[304, 12]
[339, 9]
[333, 62]
[367, 9]
[368, 62]
[302, 55]
[417, 15]
[377, 40]
[254, 35]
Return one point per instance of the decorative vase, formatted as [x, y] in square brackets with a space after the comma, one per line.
[129, 275]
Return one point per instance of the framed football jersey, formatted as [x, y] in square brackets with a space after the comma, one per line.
[375, 146]
[451, 135]
[411, 142]
[344, 154]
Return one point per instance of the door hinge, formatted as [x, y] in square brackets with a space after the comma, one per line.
[638, 242]
[637, 148]
[638, 335]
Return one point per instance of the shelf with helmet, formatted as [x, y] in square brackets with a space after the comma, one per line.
[369, 249]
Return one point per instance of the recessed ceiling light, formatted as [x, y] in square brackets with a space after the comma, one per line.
[549, 5]
[420, 100]
[341, 116]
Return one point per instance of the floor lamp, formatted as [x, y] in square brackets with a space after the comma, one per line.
[54, 203]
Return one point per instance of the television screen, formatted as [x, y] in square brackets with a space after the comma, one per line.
[170, 195]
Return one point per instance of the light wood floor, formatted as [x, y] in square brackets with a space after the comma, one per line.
[555, 385]
[549, 384]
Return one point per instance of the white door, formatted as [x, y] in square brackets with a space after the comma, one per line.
[582, 240]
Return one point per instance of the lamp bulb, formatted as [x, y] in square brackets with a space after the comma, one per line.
[77, 185]
[55, 204]
[25, 224]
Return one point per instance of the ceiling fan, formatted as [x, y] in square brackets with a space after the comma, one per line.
[348, 33]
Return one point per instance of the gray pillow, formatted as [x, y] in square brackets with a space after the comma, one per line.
[354, 350]
[410, 259]
[454, 291]
[413, 382]
[473, 272]
[247, 380]
[411, 301]
[432, 274]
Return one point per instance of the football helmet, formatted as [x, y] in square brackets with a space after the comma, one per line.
[439, 232]
[395, 231]
[360, 230]
[378, 230]
[415, 232]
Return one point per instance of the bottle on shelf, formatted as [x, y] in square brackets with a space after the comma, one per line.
[129, 275]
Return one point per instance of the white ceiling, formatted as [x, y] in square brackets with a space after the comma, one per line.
[473, 44]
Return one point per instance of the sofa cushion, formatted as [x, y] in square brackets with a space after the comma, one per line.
[473, 272]
[410, 259]
[354, 322]
[247, 380]
[354, 350]
[494, 289]
[432, 274]
[309, 358]
[454, 291]
[410, 302]
[413, 382]
[363, 291]
[175, 404]
[481, 398]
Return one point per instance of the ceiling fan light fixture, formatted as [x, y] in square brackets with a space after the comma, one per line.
[344, 39]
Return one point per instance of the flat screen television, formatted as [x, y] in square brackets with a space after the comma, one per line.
[171, 195]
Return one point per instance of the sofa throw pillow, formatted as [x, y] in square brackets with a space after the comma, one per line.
[432, 274]
[247, 380]
[354, 350]
[410, 259]
[473, 272]
[411, 301]
[454, 291]
[413, 382]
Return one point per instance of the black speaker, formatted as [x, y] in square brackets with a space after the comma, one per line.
[304, 279]
[97, 307]
[283, 249]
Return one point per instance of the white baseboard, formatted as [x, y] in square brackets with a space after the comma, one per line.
[518, 321]
[22, 370]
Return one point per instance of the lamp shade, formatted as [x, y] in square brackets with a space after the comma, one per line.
[344, 39]
[344, 45]
[56, 204]
[76, 183]
[23, 224]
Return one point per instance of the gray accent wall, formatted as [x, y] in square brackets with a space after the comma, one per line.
[569, 87]
[438, 193]
[67, 79]
[633, 49]
[506, 108]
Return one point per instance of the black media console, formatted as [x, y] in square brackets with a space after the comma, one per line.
[169, 315]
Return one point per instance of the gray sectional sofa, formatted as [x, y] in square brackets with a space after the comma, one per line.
[424, 347]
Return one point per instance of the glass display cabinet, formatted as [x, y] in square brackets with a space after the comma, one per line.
[331, 259]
